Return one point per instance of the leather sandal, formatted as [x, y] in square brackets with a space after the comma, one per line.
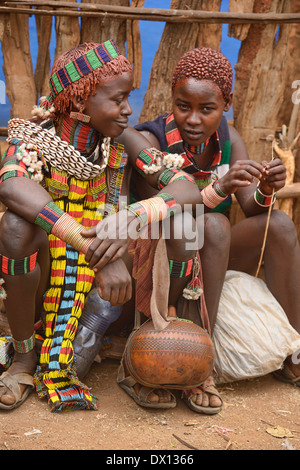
[141, 398]
[12, 382]
[207, 387]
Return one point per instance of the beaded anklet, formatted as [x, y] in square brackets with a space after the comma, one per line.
[180, 268]
[264, 200]
[14, 267]
[24, 346]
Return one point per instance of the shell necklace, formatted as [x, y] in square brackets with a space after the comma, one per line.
[57, 152]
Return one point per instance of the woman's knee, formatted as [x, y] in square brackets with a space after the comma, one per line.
[216, 230]
[18, 237]
[282, 229]
[181, 237]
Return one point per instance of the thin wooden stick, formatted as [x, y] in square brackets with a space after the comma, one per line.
[149, 14]
[267, 226]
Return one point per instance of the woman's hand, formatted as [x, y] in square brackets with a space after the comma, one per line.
[112, 238]
[241, 174]
[115, 283]
[273, 176]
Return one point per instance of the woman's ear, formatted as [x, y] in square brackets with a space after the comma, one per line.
[229, 103]
[78, 103]
[78, 106]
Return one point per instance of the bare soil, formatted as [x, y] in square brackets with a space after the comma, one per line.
[254, 410]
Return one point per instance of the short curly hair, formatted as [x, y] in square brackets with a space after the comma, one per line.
[86, 85]
[204, 63]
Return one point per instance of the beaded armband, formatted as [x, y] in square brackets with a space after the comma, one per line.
[29, 162]
[48, 216]
[152, 160]
[264, 200]
[169, 175]
[11, 169]
[211, 198]
[153, 210]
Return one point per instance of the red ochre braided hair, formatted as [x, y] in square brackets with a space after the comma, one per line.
[86, 85]
[204, 63]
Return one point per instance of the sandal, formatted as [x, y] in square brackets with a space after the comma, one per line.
[287, 376]
[141, 398]
[208, 387]
[12, 383]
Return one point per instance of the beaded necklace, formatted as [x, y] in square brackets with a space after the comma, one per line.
[82, 136]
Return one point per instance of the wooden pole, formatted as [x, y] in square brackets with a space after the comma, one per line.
[147, 14]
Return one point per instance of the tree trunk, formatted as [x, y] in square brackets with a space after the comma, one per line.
[67, 34]
[101, 30]
[260, 81]
[176, 40]
[17, 65]
[42, 70]
[134, 50]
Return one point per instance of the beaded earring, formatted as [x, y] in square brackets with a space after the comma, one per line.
[79, 116]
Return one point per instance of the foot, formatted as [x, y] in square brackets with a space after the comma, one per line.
[21, 363]
[159, 395]
[205, 399]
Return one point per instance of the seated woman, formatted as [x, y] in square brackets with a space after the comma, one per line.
[63, 173]
[216, 156]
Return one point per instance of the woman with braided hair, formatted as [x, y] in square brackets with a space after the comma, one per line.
[64, 171]
[216, 156]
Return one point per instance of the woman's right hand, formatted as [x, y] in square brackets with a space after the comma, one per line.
[241, 174]
[115, 283]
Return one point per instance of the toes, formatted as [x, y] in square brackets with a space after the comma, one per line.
[7, 399]
[204, 399]
[164, 395]
[215, 402]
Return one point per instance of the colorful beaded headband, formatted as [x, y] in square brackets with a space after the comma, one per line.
[83, 65]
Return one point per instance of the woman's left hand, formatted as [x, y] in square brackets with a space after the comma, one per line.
[273, 176]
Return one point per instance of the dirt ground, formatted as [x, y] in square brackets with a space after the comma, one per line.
[254, 412]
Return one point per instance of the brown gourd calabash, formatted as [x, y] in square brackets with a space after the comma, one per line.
[181, 356]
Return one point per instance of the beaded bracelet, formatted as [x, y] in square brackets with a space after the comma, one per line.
[57, 222]
[153, 210]
[218, 190]
[264, 200]
[210, 196]
[69, 230]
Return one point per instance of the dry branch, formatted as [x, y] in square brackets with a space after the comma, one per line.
[148, 14]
